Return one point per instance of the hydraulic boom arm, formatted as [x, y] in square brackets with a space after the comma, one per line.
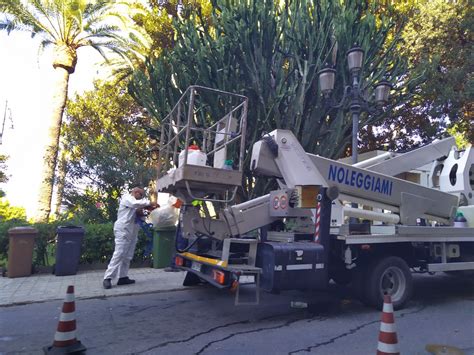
[282, 156]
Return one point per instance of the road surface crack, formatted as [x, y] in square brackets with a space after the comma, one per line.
[135, 310]
[286, 324]
[161, 345]
[353, 331]
[194, 336]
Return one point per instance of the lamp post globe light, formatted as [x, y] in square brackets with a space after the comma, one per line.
[353, 98]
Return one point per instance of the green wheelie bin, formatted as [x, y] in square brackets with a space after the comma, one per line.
[163, 246]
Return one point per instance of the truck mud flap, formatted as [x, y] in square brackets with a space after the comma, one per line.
[194, 277]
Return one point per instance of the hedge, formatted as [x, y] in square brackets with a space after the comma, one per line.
[97, 246]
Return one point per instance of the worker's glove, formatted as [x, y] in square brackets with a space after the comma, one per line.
[142, 212]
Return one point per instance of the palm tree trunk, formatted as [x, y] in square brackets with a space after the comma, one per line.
[62, 171]
[51, 153]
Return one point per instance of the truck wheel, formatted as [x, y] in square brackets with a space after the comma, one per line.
[391, 276]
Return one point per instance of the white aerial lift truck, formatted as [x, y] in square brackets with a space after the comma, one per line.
[278, 241]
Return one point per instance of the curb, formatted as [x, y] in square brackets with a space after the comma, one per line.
[24, 303]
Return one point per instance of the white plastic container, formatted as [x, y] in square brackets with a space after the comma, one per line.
[195, 156]
[468, 212]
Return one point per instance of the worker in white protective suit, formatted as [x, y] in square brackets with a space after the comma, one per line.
[126, 235]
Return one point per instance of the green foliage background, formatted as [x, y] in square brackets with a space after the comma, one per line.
[438, 42]
[106, 149]
[8, 212]
[271, 52]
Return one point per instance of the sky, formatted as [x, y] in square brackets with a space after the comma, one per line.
[25, 83]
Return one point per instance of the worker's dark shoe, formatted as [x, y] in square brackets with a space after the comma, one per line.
[107, 283]
[125, 281]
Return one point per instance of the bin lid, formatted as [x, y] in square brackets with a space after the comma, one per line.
[70, 230]
[23, 231]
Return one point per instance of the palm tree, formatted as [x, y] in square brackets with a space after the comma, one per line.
[66, 25]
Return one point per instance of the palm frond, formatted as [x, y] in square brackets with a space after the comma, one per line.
[18, 17]
[76, 11]
[99, 49]
[45, 17]
[93, 31]
[96, 8]
[104, 25]
[108, 46]
[43, 44]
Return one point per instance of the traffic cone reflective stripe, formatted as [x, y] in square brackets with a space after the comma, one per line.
[70, 296]
[387, 307]
[388, 341]
[387, 328]
[66, 317]
[65, 341]
[386, 349]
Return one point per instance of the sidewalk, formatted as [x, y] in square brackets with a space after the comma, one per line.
[87, 284]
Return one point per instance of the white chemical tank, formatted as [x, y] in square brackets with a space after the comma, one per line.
[195, 156]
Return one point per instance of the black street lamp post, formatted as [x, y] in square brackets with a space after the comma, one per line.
[353, 97]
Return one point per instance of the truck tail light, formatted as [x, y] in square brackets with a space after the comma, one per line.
[179, 261]
[219, 276]
[234, 286]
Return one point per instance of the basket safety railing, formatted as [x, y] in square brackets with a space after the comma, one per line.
[212, 119]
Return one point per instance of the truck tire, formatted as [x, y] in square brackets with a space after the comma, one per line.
[389, 275]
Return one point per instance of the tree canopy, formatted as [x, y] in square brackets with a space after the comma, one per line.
[107, 149]
[271, 52]
[438, 44]
[9, 212]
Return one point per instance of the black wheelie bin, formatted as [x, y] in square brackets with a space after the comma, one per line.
[68, 250]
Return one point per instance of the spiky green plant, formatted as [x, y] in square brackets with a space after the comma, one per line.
[271, 52]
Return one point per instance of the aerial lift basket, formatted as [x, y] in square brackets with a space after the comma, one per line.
[214, 122]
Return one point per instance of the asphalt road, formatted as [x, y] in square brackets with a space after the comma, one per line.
[203, 320]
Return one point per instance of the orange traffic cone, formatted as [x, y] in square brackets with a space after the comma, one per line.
[65, 341]
[388, 342]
